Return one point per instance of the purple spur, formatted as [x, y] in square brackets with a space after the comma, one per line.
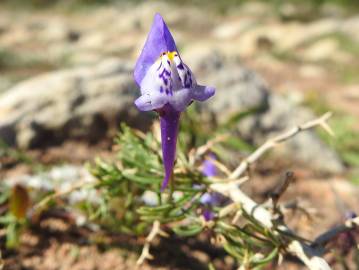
[167, 86]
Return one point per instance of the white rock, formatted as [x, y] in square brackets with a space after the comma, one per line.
[232, 29]
[311, 71]
[69, 103]
[321, 50]
[351, 27]
[60, 179]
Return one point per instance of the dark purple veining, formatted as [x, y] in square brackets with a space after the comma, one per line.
[180, 66]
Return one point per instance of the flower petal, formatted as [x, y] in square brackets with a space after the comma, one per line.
[202, 93]
[150, 101]
[180, 99]
[208, 214]
[159, 40]
[209, 168]
[213, 199]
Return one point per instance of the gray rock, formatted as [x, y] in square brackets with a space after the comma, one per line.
[75, 103]
[60, 179]
[240, 90]
[305, 147]
[350, 27]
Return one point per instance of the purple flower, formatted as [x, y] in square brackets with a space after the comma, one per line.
[210, 199]
[167, 86]
[350, 215]
[209, 169]
[208, 214]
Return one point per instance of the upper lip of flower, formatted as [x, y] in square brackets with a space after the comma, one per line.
[159, 41]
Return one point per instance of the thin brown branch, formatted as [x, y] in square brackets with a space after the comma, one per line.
[156, 230]
[321, 121]
[280, 190]
[200, 151]
[327, 236]
[220, 166]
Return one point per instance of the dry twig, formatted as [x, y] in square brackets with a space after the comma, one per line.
[324, 238]
[200, 151]
[280, 190]
[156, 230]
[309, 255]
[321, 121]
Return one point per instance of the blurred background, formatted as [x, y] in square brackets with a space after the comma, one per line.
[66, 84]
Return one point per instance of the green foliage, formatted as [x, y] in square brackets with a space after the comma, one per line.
[136, 169]
[14, 204]
[6, 58]
[197, 129]
[4, 194]
[348, 74]
[19, 156]
[345, 142]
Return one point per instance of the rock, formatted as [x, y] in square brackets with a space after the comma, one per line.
[240, 89]
[322, 50]
[4, 84]
[246, 36]
[293, 34]
[254, 8]
[230, 30]
[54, 30]
[311, 71]
[59, 179]
[305, 147]
[74, 103]
[350, 27]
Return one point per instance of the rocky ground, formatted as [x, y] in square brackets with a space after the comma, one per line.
[66, 83]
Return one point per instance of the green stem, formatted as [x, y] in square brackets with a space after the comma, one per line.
[172, 187]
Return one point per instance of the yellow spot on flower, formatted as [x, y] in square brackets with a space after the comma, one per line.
[170, 55]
